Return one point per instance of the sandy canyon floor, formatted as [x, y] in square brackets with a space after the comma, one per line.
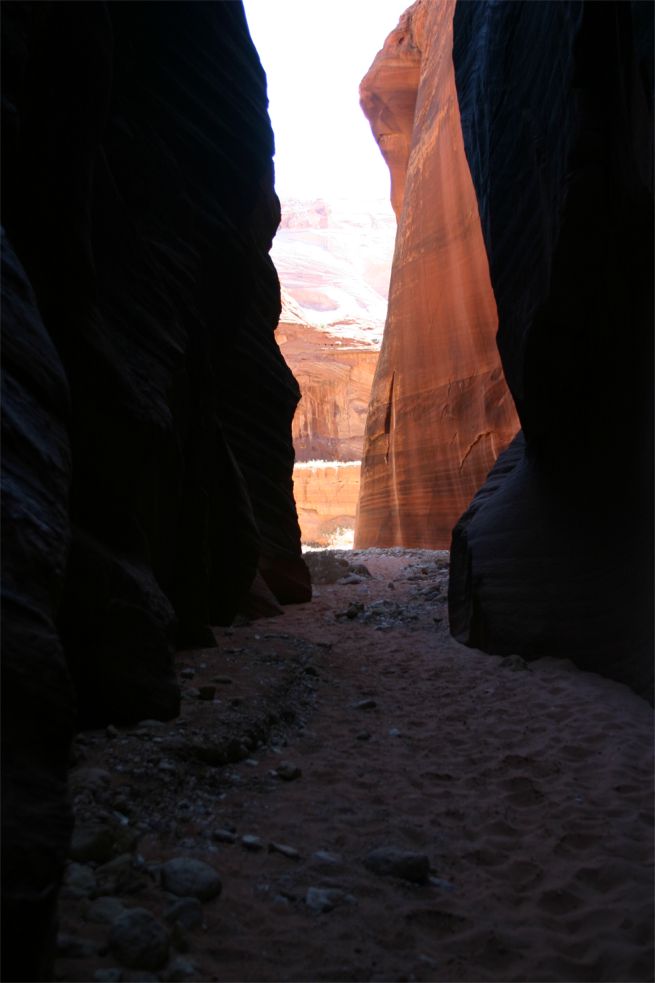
[347, 725]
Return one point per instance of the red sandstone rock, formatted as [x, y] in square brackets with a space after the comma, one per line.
[326, 494]
[440, 410]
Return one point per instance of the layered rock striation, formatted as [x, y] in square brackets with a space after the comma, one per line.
[440, 410]
[146, 406]
[554, 555]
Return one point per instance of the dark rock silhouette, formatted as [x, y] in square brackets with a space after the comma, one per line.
[147, 444]
[554, 555]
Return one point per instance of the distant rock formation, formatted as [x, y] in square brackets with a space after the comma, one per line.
[146, 406]
[554, 555]
[334, 260]
[440, 410]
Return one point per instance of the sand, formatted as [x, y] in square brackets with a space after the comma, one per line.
[529, 788]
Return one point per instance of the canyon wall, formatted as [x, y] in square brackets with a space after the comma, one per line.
[334, 260]
[440, 409]
[146, 406]
[554, 555]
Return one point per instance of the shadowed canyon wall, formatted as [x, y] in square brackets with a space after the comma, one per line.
[440, 410]
[146, 406]
[554, 555]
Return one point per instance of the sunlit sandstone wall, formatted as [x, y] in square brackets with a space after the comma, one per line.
[440, 411]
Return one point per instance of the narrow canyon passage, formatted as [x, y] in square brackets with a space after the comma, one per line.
[349, 725]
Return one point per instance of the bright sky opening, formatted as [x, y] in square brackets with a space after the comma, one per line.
[315, 54]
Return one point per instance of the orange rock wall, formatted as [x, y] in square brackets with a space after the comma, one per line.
[440, 411]
[335, 378]
[326, 497]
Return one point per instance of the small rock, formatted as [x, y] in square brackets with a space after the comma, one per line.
[353, 610]
[325, 857]
[187, 673]
[104, 911]
[113, 975]
[118, 876]
[441, 884]
[515, 664]
[206, 693]
[167, 765]
[224, 836]
[180, 970]
[191, 693]
[79, 881]
[286, 851]
[91, 778]
[138, 940]
[361, 569]
[186, 912]
[350, 578]
[365, 705]
[287, 771]
[394, 732]
[75, 948]
[363, 736]
[92, 843]
[190, 878]
[253, 843]
[322, 899]
[111, 731]
[392, 862]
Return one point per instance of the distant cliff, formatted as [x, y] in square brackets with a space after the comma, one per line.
[440, 410]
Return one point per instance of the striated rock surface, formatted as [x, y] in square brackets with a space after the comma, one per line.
[335, 375]
[334, 260]
[146, 407]
[37, 695]
[326, 493]
[440, 410]
[554, 555]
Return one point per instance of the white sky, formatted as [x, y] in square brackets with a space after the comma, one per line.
[315, 54]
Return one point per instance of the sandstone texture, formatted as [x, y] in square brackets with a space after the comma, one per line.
[554, 555]
[334, 261]
[146, 406]
[327, 494]
[440, 410]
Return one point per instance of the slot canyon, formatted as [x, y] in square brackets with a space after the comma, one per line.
[427, 757]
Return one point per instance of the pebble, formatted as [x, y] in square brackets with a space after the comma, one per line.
[350, 578]
[104, 911]
[180, 970]
[322, 899]
[441, 884]
[75, 948]
[112, 975]
[191, 693]
[187, 673]
[392, 862]
[365, 705]
[224, 836]
[325, 857]
[118, 876]
[138, 940]
[286, 851]
[79, 881]
[92, 843]
[394, 732]
[111, 731]
[190, 878]
[253, 843]
[186, 912]
[287, 771]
